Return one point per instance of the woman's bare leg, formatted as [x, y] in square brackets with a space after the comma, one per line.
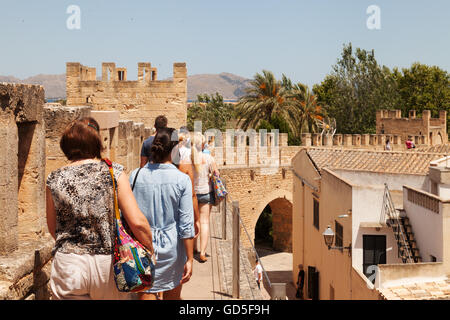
[204, 209]
[174, 294]
[148, 296]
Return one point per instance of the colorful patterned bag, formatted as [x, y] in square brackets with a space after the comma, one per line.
[134, 265]
[219, 188]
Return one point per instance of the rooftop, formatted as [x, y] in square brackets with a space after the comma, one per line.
[407, 162]
[418, 291]
[440, 148]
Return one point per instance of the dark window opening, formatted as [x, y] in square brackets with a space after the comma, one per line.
[339, 238]
[121, 75]
[374, 253]
[316, 214]
[433, 258]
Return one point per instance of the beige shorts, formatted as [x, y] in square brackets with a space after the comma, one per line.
[84, 277]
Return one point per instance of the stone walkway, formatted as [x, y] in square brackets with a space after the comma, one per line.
[213, 279]
[278, 266]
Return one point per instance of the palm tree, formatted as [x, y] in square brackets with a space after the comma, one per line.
[308, 110]
[264, 99]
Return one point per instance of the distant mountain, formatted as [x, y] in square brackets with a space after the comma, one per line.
[230, 86]
[54, 84]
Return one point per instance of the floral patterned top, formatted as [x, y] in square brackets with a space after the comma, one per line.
[84, 206]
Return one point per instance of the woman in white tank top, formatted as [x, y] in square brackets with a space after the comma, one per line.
[204, 164]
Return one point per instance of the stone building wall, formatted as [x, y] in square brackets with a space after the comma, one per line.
[141, 101]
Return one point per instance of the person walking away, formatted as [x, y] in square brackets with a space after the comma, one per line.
[160, 122]
[164, 195]
[204, 165]
[300, 282]
[387, 147]
[181, 154]
[184, 145]
[258, 273]
[80, 217]
[410, 144]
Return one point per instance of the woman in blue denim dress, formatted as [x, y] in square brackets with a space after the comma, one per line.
[164, 195]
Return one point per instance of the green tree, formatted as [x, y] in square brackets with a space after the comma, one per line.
[211, 110]
[355, 89]
[423, 87]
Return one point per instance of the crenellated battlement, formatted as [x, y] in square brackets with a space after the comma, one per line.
[360, 141]
[236, 149]
[141, 100]
[433, 129]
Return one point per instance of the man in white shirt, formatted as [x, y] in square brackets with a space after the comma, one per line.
[258, 273]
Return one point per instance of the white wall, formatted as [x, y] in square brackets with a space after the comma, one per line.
[367, 205]
[444, 191]
[394, 181]
[427, 227]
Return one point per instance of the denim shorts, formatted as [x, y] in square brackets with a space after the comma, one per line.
[206, 198]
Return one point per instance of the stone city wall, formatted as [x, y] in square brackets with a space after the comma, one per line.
[255, 188]
[30, 132]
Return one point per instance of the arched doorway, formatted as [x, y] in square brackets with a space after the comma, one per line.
[274, 226]
[264, 229]
[441, 140]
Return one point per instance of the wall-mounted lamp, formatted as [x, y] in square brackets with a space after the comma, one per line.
[346, 215]
[328, 236]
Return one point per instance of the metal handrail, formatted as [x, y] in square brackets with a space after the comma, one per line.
[392, 213]
[251, 242]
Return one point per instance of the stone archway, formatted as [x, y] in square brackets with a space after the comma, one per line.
[280, 203]
[254, 189]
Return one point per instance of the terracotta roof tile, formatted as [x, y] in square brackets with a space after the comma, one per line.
[405, 162]
[440, 148]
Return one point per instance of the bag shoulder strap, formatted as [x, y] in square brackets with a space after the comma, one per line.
[111, 171]
[135, 178]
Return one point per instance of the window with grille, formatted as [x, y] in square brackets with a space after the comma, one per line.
[339, 237]
[316, 214]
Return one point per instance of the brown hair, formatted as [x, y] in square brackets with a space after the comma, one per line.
[81, 140]
[160, 122]
[165, 140]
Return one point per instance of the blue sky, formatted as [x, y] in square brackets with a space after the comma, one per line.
[299, 38]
